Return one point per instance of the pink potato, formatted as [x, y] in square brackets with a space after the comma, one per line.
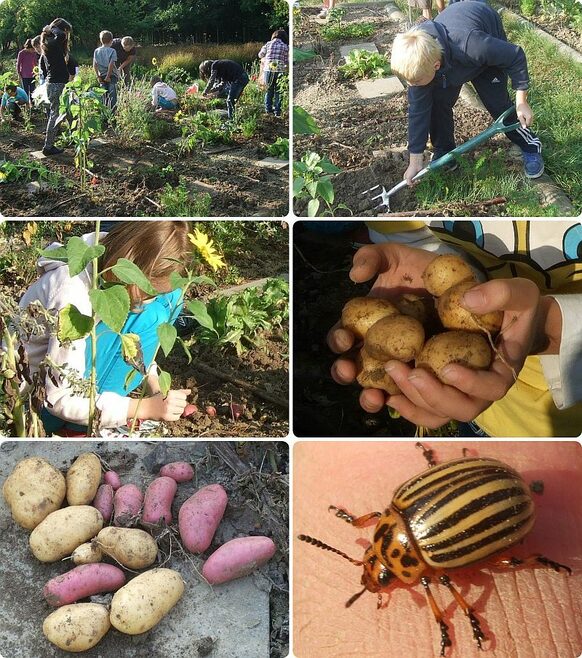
[179, 471]
[199, 517]
[237, 558]
[157, 502]
[112, 478]
[81, 582]
[127, 504]
[103, 501]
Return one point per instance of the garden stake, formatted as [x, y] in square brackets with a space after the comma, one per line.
[496, 127]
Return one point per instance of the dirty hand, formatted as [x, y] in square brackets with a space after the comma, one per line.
[169, 408]
[415, 164]
[524, 114]
[397, 269]
[428, 402]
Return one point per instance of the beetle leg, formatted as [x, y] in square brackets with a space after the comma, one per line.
[438, 615]
[477, 632]
[359, 521]
[530, 561]
[427, 453]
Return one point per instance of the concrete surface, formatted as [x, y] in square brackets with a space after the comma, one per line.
[380, 87]
[227, 621]
[368, 47]
[272, 163]
[38, 155]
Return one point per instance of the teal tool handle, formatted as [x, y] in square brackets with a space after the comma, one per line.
[496, 127]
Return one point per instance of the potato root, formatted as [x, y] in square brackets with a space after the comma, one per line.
[33, 490]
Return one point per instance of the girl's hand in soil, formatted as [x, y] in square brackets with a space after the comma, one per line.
[416, 163]
[398, 269]
[427, 402]
[156, 407]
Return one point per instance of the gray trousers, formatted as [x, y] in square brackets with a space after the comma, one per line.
[54, 92]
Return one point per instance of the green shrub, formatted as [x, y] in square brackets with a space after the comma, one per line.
[364, 64]
[179, 201]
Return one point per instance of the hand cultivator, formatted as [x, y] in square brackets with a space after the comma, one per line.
[496, 127]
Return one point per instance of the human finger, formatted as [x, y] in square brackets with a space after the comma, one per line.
[368, 261]
[344, 371]
[500, 295]
[339, 340]
[372, 400]
[415, 414]
[488, 385]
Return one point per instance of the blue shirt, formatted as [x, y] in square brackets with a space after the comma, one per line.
[21, 96]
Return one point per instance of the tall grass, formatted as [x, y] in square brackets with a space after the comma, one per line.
[189, 57]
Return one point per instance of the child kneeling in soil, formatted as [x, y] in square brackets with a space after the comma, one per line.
[163, 96]
[12, 99]
[152, 246]
[465, 43]
[104, 65]
[220, 72]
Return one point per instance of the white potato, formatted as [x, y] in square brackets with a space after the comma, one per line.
[77, 627]
[83, 479]
[131, 547]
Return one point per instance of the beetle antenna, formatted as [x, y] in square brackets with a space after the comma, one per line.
[320, 544]
[355, 597]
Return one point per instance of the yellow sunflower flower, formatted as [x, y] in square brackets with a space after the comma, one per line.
[206, 248]
[154, 61]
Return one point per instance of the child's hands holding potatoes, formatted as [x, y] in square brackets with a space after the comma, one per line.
[459, 392]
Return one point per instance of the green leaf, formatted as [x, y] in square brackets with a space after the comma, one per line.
[73, 325]
[302, 55]
[131, 352]
[325, 190]
[165, 381]
[177, 281]
[329, 167]
[129, 272]
[303, 122]
[298, 185]
[167, 335]
[312, 208]
[201, 315]
[60, 253]
[111, 305]
[130, 375]
[80, 254]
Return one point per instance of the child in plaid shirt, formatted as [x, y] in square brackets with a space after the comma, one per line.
[275, 55]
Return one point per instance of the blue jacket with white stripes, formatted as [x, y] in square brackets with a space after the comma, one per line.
[472, 37]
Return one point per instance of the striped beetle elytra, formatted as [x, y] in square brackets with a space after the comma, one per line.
[456, 514]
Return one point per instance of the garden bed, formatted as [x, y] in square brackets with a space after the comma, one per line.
[367, 138]
[128, 182]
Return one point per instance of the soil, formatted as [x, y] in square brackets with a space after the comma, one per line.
[128, 181]
[367, 138]
[558, 25]
[322, 408]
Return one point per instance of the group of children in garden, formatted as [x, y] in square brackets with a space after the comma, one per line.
[48, 56]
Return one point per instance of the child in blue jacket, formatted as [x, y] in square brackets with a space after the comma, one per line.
[465, 43]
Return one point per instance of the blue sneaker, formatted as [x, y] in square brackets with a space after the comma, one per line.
[533, 164]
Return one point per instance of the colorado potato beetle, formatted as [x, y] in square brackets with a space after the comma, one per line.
[453, 515]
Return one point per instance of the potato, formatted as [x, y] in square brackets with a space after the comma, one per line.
[103, 501]
[145, 600]
[157, 503]
[127, 504]
[112, 478]
[444, 272]
[360, 313]
[454, 316]
[131, 547]
[62, 531]
[399, 337]
[199, 517]
[82, 582]
[237, 558]
[373, 375]
[77, 627]
[463, 347]
[87, 553]
[83, 479]
[179, 471]
[33, 490]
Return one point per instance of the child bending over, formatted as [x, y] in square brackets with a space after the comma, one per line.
[163, 96]
[12, 100]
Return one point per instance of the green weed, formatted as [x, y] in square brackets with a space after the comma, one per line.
[279, 148]
[179, 201]
[364, 64]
